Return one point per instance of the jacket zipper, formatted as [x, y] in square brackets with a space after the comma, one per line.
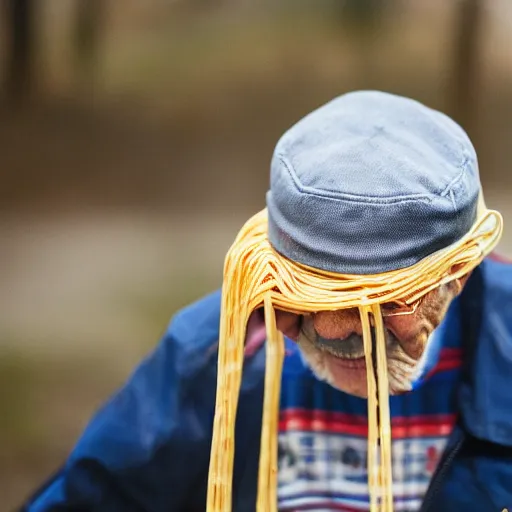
[439, 474]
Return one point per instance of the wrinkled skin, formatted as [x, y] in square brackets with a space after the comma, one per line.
[332, 344]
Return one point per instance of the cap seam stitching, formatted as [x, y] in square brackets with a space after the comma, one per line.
[428, 198]
[463, 168]
[452, 197]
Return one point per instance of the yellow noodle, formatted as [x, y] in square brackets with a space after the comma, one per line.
[267, 477]
[256, 275]
[373, 472]
[384, 415]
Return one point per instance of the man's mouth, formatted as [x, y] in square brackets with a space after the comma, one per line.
[348, 348]
[344, 352]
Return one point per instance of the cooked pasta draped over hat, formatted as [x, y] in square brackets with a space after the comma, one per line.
[325, 243]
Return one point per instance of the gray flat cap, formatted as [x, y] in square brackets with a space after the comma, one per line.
[371, 182]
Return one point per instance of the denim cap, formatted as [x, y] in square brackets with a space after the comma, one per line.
[371, 182]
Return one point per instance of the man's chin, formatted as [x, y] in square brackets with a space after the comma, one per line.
[347, 375]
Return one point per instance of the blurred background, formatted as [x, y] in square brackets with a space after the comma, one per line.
[135, 140]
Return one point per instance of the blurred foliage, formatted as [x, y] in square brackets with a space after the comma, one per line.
[363, 15]
[17, 382]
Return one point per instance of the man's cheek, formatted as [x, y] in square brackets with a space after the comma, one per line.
[405, 327]
[417, 327]
[418, 346]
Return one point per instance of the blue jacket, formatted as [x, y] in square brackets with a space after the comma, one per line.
[147, 449]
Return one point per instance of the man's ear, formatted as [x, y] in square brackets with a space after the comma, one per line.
[255, 332]
[288, 323]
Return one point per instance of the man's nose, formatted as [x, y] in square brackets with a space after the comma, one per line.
[338, 324]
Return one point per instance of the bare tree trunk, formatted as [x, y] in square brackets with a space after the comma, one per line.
[87, 34]
[361, 21]
[463, 94]
[19, 72]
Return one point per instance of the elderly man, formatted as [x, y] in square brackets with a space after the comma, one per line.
[367, 184]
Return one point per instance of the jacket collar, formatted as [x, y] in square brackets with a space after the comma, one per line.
[485, 397]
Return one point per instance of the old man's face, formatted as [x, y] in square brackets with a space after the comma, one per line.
[332, 343]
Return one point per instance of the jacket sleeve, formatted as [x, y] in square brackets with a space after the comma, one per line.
[148, 447]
